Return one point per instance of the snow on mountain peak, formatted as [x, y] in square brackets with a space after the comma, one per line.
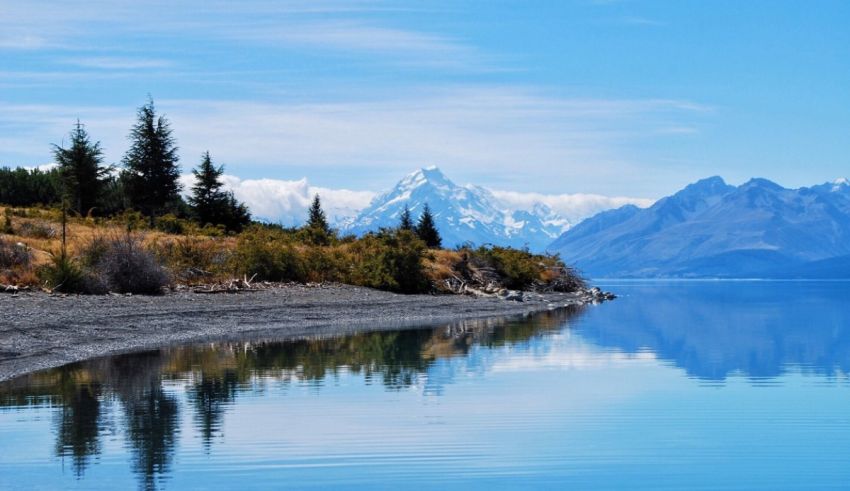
[840, 183]
[462, 213]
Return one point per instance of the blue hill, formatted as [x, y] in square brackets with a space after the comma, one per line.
[712, 229]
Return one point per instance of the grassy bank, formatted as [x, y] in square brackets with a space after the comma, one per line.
[124, 254]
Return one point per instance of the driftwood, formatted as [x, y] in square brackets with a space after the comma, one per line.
[236, 285]
[13, 289]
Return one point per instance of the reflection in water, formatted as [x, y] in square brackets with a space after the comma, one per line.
[552, 379]
[758, 329]
[79, 422]
[216, 374]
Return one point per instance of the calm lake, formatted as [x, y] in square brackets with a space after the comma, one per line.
[680, 385]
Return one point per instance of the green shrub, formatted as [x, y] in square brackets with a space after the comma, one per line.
[170, 224]
[268, 253]
[324, 264]
[192, 256]
[391, 260]
[66, 275]
[518, 268]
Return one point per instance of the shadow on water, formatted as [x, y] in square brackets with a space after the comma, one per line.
[716, 329]
[214, 375]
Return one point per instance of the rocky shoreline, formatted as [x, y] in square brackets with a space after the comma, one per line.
[39, 331]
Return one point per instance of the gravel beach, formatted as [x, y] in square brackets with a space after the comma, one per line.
[39, 331]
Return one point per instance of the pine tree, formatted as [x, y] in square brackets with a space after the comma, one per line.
[317, 229]
[317, 219]
[427, 230]
[82, 176]
[237, 214]
[210, 204]
[208, 201]
[405, 222]
[151, 171]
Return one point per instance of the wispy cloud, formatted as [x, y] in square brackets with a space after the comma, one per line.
[11, 39]
[341, 27]
[573, 207]
[117, 63]
[470, 132]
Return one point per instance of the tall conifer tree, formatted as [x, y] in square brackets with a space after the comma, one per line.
[151, 171]
[83, 178]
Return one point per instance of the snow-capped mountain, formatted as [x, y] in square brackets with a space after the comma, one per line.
[462, 213]
[758, 229]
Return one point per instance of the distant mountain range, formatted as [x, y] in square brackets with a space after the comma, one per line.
[462, 213]
[712, 229]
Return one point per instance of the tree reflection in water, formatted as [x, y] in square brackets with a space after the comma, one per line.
[214, 375]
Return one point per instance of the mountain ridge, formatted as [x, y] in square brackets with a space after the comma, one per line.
[713, 229]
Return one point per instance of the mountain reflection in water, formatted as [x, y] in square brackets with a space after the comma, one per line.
[758, 329]
[159, 413]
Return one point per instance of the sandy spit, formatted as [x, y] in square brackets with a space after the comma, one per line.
[39, 331]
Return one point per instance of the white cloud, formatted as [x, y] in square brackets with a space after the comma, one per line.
[286, 202]
[573, 207]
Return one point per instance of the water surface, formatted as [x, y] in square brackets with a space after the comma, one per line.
[734, 385]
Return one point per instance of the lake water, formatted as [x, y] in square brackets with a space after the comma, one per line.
[680, 385]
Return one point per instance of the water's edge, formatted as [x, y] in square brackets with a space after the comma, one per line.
[45, 332]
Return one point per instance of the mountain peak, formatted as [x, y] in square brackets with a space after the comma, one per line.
[703, 189]
[462, 213]
[761, 183]
[709, 185]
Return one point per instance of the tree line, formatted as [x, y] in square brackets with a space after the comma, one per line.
[147, 181]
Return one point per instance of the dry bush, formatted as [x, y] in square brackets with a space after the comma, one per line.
[37, 230]
[13, 255]
[193, 257]
[127, 266]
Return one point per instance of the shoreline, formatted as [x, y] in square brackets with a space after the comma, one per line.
[40, 331]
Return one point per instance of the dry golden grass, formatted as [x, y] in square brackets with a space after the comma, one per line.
[394, 262]
[177, 252]
[441, 264]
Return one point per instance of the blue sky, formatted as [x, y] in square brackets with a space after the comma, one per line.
[628, 98]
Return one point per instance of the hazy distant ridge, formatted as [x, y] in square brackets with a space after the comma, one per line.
[712, 229]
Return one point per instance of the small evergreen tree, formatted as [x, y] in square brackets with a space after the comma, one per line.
[317, 219]
[83, 177]
[405, 222]
[237, 216]
[151, 170]
[318, 230]
[210, 204]
[427, 230]
[207, 199]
